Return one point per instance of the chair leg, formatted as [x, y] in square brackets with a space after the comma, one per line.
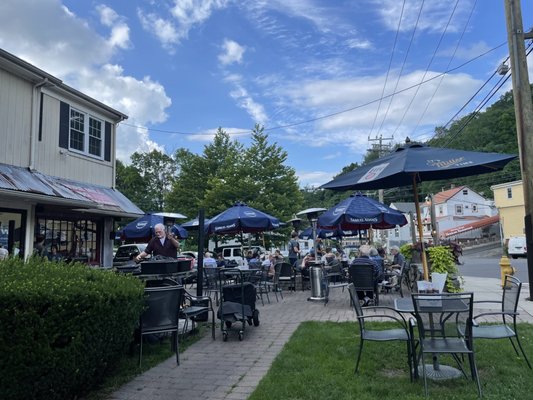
[175, 336]
[359, 356]
[425, 376]
[475, 375]
[521, 349]
[409, 359]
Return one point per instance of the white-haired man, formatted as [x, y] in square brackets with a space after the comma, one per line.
[162, 244]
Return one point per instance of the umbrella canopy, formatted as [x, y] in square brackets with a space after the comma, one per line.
[414, 163]
[143, 227]
[419, 163]
[241, 219]
[325, 233]
[361, 212]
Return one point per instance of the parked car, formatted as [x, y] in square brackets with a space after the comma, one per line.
[516, 247]
[124, 259]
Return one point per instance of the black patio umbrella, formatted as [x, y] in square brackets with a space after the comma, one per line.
[415, 163]
[361, 212]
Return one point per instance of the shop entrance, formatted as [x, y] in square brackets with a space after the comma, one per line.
[13, 230]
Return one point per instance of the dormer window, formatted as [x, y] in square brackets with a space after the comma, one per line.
[465, 192]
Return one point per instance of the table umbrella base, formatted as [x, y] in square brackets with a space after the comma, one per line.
[443, 372]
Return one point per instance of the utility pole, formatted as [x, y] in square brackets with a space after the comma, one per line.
[381, 149]
[523, 114]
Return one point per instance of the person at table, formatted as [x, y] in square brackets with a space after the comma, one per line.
[221, 261]
[364, 259]
[306, 262]
[328, 257]
[209, 261]
[319, 248]
[53, 255]
[277, 257]
[397, 257]
[162, 244]
[374, 255]
[294, 249]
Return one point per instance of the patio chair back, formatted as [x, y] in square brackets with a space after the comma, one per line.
[362, 277]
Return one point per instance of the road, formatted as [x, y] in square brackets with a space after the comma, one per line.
[487, 265]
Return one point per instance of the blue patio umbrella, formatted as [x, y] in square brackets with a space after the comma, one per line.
[143, 227]
[414, 163]
[360, 212]
[241, 219]
[324, 233]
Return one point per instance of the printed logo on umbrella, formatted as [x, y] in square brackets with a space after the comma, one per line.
[339, 210]
[141, 224]
[250, 214]
[454, 162]
[373, 173]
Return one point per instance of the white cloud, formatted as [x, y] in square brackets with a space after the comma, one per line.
[163, 29]
[120, 31]
[232, 52]
[314, 178]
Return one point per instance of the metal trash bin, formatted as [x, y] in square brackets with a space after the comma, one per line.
[316, 275]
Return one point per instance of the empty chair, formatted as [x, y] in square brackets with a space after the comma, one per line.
[211, 283]
[402, 332]
[335, 278]
[362, 276]
[444, 323]
[196, 309]
[161, 314]
[287, 275]
[507, 327]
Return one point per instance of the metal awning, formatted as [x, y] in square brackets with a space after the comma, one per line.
[18, 182]
[481, 223]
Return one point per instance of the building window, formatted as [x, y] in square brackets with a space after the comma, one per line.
[509, 193]
[465, 192]
[73, 239]
[441, 210]
[85, 133]
[474, 207]
[459, 209]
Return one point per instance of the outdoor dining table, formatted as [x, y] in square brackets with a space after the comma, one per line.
[432, 305]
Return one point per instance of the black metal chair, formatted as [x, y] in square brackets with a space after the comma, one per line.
[335, 278]
[444, 324]
[287, 274]
[161, 314]
[402, 332]
[507, 328]
[362, 276]
[211, 284]
[197, 309]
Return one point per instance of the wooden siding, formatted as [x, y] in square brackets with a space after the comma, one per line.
[52, 160]
[15, 120]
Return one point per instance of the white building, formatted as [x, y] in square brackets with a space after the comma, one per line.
[57, 166]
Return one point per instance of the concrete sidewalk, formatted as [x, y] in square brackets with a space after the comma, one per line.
[231, 370]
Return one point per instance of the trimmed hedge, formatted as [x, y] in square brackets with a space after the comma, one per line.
[62, 326]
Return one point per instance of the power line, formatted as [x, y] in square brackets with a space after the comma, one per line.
[319, 118]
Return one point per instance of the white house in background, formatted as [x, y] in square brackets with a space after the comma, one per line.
[57, 166]
[401, 235]
[460, 213]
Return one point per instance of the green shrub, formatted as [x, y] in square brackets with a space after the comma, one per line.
[62, 326]
[442, 260]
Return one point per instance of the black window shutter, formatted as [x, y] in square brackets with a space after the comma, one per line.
[64, 126]
[107, 142]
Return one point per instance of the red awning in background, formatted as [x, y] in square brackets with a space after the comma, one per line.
[481, 223]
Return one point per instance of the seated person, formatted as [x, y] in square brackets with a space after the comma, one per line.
[221, 262]
[328, 256]
[374, 255]
[364, 259]
[209, 261]
[53, 255]
[306, 262]
[398, 259]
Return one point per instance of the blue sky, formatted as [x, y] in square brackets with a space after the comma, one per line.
[311, 71]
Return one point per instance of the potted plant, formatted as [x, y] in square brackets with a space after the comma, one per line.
[441, 260]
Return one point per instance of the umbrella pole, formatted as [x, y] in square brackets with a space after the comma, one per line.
[420, 230]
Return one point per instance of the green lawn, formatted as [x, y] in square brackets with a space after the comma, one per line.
[319, 360]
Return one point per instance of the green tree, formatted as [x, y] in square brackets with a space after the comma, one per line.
[158, 171]
[130, 183]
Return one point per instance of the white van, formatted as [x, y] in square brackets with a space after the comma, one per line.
[516, 247]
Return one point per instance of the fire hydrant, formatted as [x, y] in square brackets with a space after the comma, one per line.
[505, 268]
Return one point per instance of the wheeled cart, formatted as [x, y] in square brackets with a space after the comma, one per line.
[237, 301]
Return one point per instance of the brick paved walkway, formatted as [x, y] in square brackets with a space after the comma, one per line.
[231, 370]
